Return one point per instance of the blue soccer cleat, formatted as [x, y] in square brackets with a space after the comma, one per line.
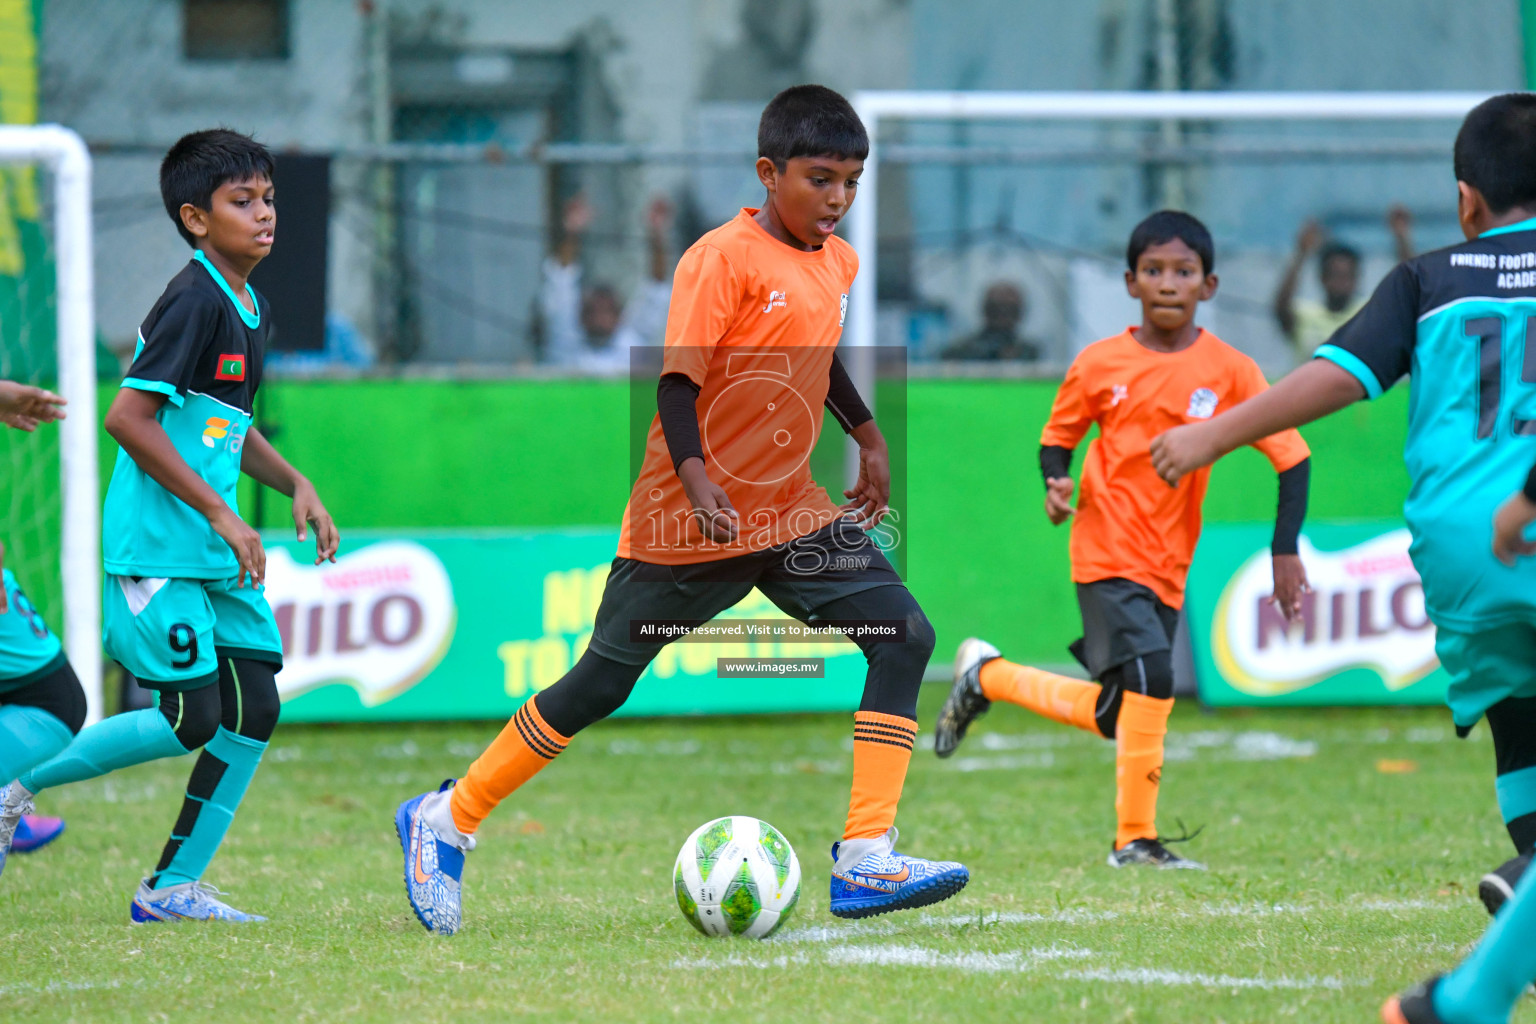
[34, 832]
[434, 859]
[189, 901]
[869, 877]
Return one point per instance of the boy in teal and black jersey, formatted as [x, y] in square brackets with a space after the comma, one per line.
[1460, 323]
[182, 603]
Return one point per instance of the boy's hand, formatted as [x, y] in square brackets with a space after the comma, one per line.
[245, 543]
[1310, 238]
[870, 497]
[1058, 500]
[308, 511]
[712, 509]
[1290, 584]
[23, 407]
[1509, 524]
[1182, 450]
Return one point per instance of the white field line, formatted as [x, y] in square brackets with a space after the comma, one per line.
[33, 988]
[1002, 963]
[1154, 976]
[898, 956]
[841, 933]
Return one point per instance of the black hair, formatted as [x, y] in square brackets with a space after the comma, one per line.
[1335, 250]
[200, 162]
[1165, 226]
[810, 120]
[1496, 150]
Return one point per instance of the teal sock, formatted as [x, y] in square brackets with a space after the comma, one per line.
[219, 780]
[1517, 794]
[1483, 990]
[28, 737]
[113, 743]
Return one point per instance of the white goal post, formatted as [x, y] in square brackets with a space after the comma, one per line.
[877, 106]
[65, 155]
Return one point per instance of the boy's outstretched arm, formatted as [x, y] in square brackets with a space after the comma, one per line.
[1307, 393]
[132, 423]
[261, 462]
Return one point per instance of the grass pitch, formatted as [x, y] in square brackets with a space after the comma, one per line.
[1345, 848]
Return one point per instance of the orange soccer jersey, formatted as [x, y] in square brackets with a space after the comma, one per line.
[1129, 524]
[753, 323]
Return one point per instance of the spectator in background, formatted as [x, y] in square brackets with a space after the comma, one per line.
[1309, 324]
[590, 330]
[1002, 312]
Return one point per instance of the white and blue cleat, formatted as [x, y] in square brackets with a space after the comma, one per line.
[434, 859]
[14, 803]
[869, 877]
[189, 901]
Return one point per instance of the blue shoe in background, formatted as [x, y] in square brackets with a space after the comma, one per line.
[35, 831]
[869, 877]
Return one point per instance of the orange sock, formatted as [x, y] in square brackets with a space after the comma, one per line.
[1139, 765]
[1059, 698]
[525, 746]
[882, 748]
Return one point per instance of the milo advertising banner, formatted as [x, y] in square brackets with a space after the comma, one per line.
[1363, 636]
[470, 625]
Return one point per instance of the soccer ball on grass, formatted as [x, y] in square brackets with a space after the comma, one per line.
[736, 876]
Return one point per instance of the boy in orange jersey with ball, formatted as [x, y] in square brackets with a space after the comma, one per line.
[724, 502]
[1132, 535]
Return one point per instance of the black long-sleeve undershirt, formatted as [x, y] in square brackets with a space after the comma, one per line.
[1290, 511]
[677, 403]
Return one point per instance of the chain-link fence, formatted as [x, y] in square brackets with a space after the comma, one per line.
[465, 191]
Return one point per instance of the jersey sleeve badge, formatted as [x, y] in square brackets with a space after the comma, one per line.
[1202, 404]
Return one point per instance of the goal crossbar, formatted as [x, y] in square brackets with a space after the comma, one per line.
[65, 155]
[876, 106]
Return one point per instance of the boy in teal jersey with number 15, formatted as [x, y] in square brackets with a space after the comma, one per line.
[182, 605]
[1460, 323]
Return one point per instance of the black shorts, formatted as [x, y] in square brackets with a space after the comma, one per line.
[799, 577]
[1122, 621]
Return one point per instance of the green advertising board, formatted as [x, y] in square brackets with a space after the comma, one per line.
[468, 625]
[1363, 636]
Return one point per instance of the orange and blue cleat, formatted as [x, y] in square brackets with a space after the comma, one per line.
[434, 864]
[869, 877]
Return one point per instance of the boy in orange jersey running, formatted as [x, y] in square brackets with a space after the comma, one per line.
[1133, 536]
[724, 502]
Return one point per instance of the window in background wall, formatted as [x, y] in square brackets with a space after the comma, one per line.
[235, 29]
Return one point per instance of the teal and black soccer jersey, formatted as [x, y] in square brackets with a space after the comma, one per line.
[1461, 323]
[203, 350]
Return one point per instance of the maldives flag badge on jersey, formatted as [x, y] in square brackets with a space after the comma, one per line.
[230, 368]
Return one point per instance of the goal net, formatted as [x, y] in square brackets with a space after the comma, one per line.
[49, 478]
